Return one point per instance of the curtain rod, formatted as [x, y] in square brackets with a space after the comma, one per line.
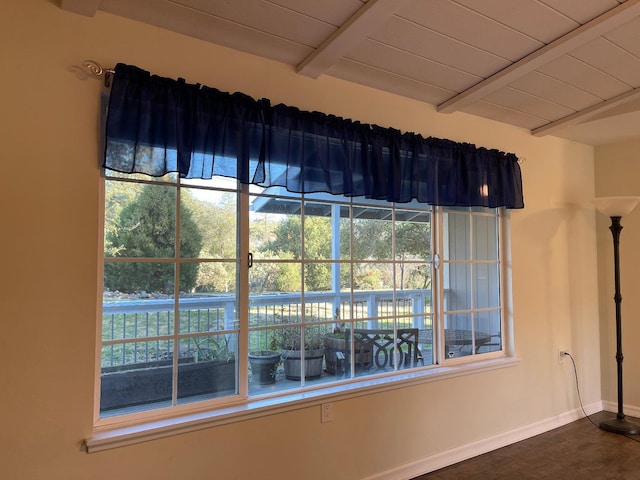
[94, 68]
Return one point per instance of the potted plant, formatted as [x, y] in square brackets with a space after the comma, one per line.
[264, 365]
[294, 349]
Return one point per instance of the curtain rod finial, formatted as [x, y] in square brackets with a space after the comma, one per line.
[94, 68]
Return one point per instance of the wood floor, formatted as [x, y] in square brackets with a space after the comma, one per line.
[579, 450]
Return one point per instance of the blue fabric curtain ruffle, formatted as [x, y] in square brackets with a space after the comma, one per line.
[157, 125]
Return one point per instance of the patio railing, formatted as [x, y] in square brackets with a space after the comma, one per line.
[138, 331]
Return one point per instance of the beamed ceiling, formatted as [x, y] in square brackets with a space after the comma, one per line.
[569, 68]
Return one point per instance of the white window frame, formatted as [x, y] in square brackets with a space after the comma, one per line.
[122, 430]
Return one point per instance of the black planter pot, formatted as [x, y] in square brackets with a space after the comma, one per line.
[264, 364]
[151, 382]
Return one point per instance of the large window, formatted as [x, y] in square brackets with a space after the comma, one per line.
[216, 293]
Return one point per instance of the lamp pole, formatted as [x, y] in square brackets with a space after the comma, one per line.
[615, 207]
[619, 424]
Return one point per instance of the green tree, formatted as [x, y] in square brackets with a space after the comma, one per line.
[413, 242]
[146, 228]
[216, 221]
[265, 277]
[287, 243]
[117, 195]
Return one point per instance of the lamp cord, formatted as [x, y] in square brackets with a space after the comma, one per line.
[575, 373]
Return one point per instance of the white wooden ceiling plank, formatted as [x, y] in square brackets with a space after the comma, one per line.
[460, 23]
[527, 103]
[610, 58]
[88, 8]
[582, 11]
[503, 114]
[554, 90]
[388, 81]
[418, 40]
[570, 70]
[265, 17]
[587, 113]
[334, 12]
[627, 36]
[572, 40]
[209, 28]
[383, 57]
[622, 109]
[527, 16]
[617, 129]
[367, 19]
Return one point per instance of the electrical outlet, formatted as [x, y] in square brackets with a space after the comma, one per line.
[562, 353]
[326, 412]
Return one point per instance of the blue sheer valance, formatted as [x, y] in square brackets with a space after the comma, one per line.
[157, 125]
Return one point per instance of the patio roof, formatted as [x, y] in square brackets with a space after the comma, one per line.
[280, 201]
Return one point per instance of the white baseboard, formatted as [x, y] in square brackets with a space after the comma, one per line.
[444, 459]
[628, 409]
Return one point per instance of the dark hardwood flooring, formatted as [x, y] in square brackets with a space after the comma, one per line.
[579, 450]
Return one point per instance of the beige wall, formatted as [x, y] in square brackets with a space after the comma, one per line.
[617, 172]
[50, 223]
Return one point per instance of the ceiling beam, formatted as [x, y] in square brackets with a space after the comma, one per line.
[367, 19]
[587, 113]
[591, 30]
[88, 8]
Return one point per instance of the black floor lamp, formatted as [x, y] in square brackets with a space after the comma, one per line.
[615, 208]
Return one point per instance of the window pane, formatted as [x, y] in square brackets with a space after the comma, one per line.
[488, 331]
[487, 285]
[413, 238]
[412, 276]
[319, 235]
[139, 280]
[208, 313]
[214, 277]
[373, 276]
[486, 237]
[135, 376]
[207, 367]
[132, 353]
[318, 277]
[270, 277]
[457, 237]
[265, 363]
[208, 227]
[320, 306]
[266, 310]
[136, 318]
[345, 233]
[372, 234]
[140, 220]
[459, 292]
[424, 324]
[275, 228]
[458, 335]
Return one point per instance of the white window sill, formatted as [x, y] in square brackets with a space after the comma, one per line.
[120, 436]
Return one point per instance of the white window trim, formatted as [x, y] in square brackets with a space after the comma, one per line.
[152, 425]
[130, 434]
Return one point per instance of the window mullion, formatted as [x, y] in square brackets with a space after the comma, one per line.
[506, 300]
[176, 301]
[243, 291]
[439, 288]
[473, 271]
